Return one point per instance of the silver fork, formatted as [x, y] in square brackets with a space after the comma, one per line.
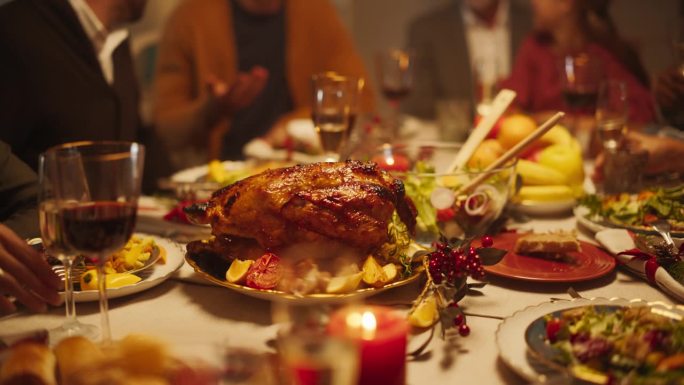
[663, 228]
[77, 269]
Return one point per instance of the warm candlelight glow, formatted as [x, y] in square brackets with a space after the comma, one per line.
[389, 160]
[369, 325]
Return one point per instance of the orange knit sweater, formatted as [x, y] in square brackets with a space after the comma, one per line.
[199, 43]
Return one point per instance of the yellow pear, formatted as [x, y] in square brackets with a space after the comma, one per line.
[565, 159]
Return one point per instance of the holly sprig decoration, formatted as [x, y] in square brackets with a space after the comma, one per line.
[448, 267]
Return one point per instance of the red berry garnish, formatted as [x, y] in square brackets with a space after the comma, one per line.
[458, 320]
[464, 330]
[453, 304]
[487, 241]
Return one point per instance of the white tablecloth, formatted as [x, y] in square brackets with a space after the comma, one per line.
[197, 316]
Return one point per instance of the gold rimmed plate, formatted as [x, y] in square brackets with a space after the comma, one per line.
[214, 270]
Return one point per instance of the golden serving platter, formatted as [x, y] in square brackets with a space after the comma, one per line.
[213, 271]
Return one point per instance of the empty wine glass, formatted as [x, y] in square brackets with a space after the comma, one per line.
[612, 110]
[55, 177]
[333, 97]
[95, 190]
[395, 74]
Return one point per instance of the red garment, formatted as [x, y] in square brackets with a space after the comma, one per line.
[537, 80]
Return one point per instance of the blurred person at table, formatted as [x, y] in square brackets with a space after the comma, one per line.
[67, 75]
[230, 71]
[25, 275]
[568, 27]
[669, 94]
[459, 40]
[665, 154]
[18, 194]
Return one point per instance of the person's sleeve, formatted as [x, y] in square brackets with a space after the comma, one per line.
[422, 99]
[18, 194]
[180, 111]
[522, 74]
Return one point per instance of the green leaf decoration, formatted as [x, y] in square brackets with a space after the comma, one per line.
[490, 255]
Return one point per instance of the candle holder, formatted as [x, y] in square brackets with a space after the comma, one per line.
[381, 336]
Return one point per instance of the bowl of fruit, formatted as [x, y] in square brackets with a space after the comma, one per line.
[551, 170]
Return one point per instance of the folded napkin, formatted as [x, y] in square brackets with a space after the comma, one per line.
[621, 244]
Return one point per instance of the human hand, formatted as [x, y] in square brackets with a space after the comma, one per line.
[669, 89]
[25, 275]
[229, 99]
[664, 154]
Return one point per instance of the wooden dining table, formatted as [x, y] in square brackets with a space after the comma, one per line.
[196, 317]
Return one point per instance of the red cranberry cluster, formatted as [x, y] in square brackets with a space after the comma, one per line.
[448, 264]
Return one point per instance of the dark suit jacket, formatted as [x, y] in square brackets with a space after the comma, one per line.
[18, 195]
[443, 68]
[52, 89]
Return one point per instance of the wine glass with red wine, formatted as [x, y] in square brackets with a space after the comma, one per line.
[332, 98]
[92, 208]
[580, 76]
[395, 74]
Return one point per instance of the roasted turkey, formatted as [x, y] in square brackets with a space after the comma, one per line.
[349, 202]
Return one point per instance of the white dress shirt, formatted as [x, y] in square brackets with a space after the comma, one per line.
[104, 42]
[489, 45]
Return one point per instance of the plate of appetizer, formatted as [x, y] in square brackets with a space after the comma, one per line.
[518, 336]
[634, 212]
[550, 257]
[145, 262]
[610, 343]
[318, 232]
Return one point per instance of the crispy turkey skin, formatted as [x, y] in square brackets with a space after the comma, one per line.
[350, 202]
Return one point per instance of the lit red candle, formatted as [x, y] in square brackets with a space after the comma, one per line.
[381, 336]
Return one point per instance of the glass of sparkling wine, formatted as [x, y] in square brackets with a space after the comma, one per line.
[612, 112]
[333, 97]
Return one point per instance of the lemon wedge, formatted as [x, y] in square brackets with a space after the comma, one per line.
[425, 313]
[344, 283]
[238, 270]
[373, 275]
[391, 272]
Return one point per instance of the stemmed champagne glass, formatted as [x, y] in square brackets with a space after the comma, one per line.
[92, 209]
[395, 74]
[612, 110]
[331, 111]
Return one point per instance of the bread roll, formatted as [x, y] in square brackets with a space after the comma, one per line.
[28, 364]
[75, 354]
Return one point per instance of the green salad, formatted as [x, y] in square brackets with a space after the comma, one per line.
[635, 345]
[639, 210]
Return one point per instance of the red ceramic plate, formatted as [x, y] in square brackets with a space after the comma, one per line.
[590, 263]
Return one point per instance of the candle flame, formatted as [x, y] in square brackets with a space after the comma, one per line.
[365, 324]
[369, 324]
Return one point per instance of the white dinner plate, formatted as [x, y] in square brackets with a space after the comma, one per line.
[581, 213]
[510, 335]
[193, 174]
[175, 256]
